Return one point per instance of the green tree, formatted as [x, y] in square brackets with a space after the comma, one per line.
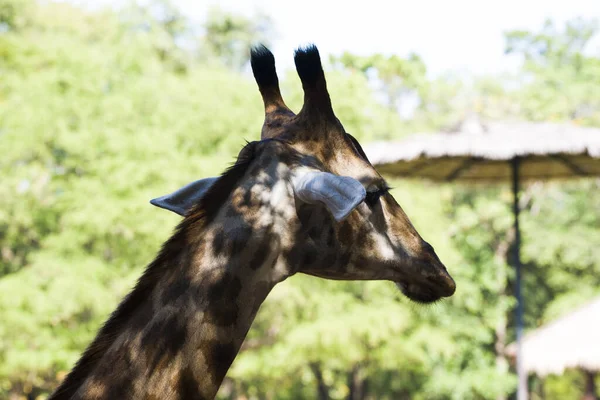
[399, 79]
[227, 37]
[563, 72]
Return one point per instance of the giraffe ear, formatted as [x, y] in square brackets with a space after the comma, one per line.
[340, 194]
[180, 201]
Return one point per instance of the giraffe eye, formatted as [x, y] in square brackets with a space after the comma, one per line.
[372, 198]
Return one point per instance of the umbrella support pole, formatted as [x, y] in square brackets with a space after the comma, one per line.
[590, 386]
[522, 392]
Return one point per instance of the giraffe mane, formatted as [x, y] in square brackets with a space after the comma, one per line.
[208, 207]
[203, 213]
[358, 147]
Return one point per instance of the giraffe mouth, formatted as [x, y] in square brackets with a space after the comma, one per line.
[427, 292]
[427, 283]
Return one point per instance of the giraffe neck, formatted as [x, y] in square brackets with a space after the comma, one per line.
[181, 340]
[176, 337]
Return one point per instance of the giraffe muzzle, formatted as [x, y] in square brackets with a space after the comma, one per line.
[428, 289]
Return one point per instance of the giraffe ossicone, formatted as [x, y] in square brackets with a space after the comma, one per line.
[302, 199]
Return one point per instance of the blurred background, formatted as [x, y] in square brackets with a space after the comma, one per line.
[107, 104]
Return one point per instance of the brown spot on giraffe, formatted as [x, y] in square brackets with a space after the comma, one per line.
[262, 251]
[163, 339]
[187, 386]
[305, 199]
[220, 356]
[224, 295]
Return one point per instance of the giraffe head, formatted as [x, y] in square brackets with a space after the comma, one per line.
[338, 219]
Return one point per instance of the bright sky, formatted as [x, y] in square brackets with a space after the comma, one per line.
[463, 35]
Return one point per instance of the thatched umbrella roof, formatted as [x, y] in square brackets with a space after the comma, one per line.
[572, 341]
[475, 151]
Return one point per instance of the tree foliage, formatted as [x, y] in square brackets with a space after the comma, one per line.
[563, 71]
[101, 111]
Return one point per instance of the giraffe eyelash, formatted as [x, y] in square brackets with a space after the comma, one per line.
[373, 197]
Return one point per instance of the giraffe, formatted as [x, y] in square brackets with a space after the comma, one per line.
[302, 199]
